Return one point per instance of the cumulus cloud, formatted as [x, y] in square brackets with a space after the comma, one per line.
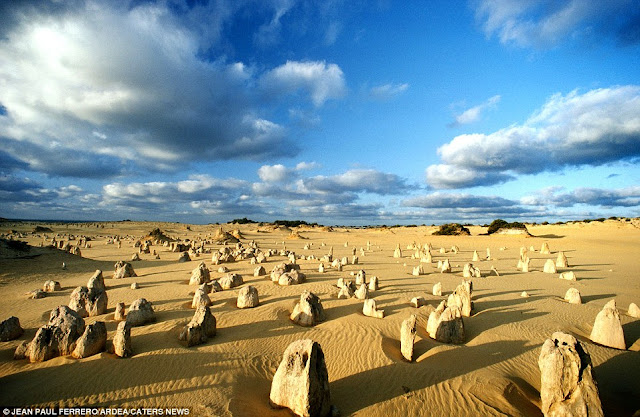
[358, 180]
[623, 197]
[129, 88]
[321, 81]
[280, 173]
[274, 173]
[387, 91]
[444, 176]
[448, 200]
[474, 114]
[197, 187]
[593, 128]
[15, 189]
[545, 23]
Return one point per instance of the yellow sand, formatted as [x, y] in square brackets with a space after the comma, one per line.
[494, 373]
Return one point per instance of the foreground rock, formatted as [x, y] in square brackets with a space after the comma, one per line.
[201, 327]
[10, 329]
[568, 387]
[407, 337]
[607, 329]
[140, 312]
[301, 382]
[633, 310]
[58, 337]
[445, 324]
[92, 341]
[308, 311]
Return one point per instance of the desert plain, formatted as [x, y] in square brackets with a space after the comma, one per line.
[494, 372]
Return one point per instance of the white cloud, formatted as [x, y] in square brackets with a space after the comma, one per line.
[594, 128]
[274, 173]
[622, 197]
[281, 173]
[450, 200]
[474, 114]
[444, 176]
[73, 79]
[546, 23]
[387, 91]
[320, 80]
[358, 180]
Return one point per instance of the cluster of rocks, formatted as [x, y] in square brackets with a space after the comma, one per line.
[287, 274]
[64, 334]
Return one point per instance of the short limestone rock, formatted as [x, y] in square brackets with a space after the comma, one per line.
[370, 309]
[418, 302]
[92, 341]
[230, 281]
[119, 314]
[10, 329]
[200, 298]
[308, 311]
[461, 297]
[445, 324]
[140, 312]
[572, 296]
[437, 289]
[248, 297]
[569, 276]
[607, 329]
[550, 267]
[123, 270]
[122, 340]
[200, 275]
[362, 293]
[51, 286]
[561, 260]
[201, 327]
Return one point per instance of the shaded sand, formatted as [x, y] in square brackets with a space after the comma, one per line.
[494, 373]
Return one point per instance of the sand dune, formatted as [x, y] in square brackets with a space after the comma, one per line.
[494, 372]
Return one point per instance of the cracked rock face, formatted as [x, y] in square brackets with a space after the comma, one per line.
[301, 382]
[568, 387]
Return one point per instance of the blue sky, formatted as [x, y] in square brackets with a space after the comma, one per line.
[338, 112]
